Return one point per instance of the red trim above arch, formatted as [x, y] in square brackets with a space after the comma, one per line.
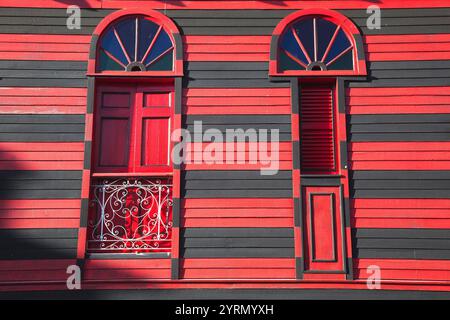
[346, 24]
[155, 16]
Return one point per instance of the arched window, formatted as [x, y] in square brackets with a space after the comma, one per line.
[317, 50]
[136, 63]
[135, 44]
[317, 41]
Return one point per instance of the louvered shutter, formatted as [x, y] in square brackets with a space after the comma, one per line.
[317, 151]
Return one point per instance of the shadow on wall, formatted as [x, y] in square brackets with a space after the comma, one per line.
[34, 255]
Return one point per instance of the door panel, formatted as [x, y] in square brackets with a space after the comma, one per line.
[323, 229]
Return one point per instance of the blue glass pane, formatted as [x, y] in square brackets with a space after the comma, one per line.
[343, 63]
[110, 44]
[287, 63]
[162, 43]
[106, 63]
[340, 44]
[289, 44]
[305, 32]
[325, 31]
[147, 31]
[126, 30]
[164, 63]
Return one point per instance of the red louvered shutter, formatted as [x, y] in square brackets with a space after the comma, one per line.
[317, 148]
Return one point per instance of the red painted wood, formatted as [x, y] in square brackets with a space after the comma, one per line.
[260, 222]
[42, 100]
[323, 235]
[220, 4]
[237, 101]
[239, 274]
[401, 213]
[317, 130]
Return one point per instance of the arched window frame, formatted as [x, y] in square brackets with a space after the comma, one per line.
[95, 79]
[154, 16]
[352, 32]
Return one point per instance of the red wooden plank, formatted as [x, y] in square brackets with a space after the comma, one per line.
[238, 223]
[42, 165]
[401, 203]
[39, 223]
[238, 274]
[120, 274]
[282, 165]
[41, 204]
[395, 146]
[39, 213]
[416, 109]
[241, 263]
[237, 92]
[30, 265]
[106, 264]
[282, 146]
[403, 213]
[289, 4]
[403, 264]
[218, 39]
[406, 38]
[40, 92]
[402, 91]
[236, 212]
[238, 110]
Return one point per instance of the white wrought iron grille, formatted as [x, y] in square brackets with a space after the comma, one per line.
[130, 215]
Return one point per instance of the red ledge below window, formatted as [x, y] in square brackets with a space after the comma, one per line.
[113, 256]
[136, 74]
[133, 174]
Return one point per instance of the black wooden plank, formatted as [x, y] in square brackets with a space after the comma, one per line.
[43, 65]
[39, 175]
[42, 137]
[41, 118]
[238, 253]
[248, 193]
[402, 184]
[399, 118]
[403, 254]
[433, 244]
[401, 233]
[237, 232]
[406, 194]
[228, 294]
[227, 66]
[50, 233]
[238, 243]
[45, 83]
[6, 128]
[41, 194]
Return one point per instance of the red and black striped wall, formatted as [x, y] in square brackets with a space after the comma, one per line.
[235, 225]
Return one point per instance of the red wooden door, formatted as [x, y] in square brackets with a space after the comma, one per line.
[323, 231]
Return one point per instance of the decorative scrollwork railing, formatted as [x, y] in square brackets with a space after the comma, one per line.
[130, 215]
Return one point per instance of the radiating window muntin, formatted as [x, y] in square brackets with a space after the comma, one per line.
[316, 44]
[135, 44]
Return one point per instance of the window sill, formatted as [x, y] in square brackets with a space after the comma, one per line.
[110, 256]
[132, 174]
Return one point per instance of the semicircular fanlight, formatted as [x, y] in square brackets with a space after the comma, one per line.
[135, 44]
[315, 43]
